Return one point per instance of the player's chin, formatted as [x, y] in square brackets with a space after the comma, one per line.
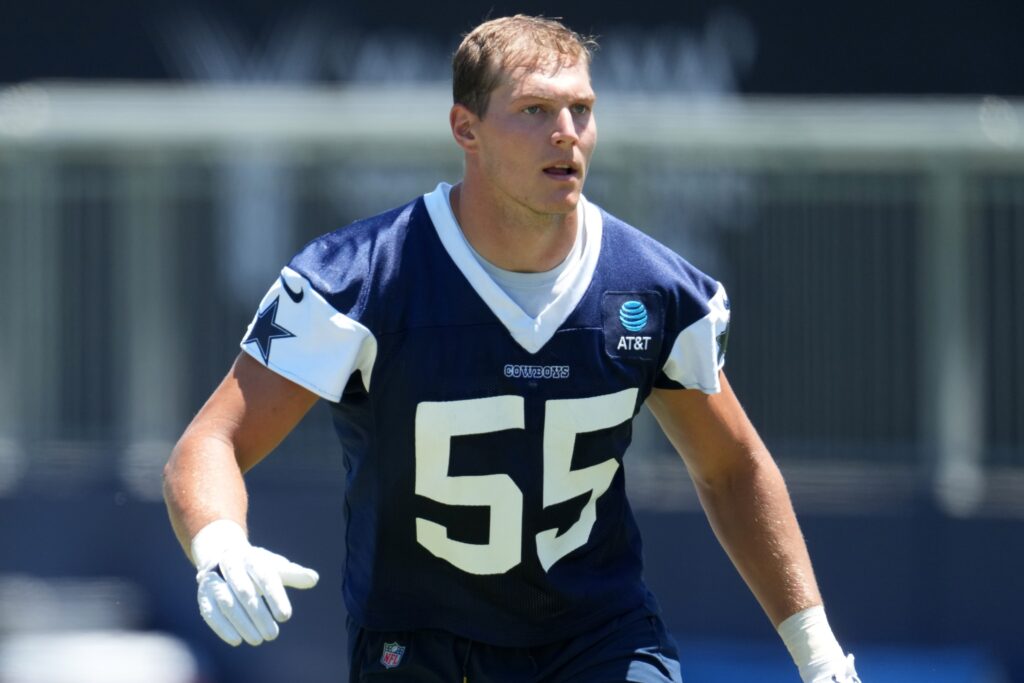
[570, 201]
[557, 207]
[565, 200]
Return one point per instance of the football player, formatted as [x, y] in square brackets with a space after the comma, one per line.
[484, 350]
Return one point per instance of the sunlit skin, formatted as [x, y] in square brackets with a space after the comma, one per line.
[526, 161]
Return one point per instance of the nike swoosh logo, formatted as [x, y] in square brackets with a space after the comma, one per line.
[294, 296]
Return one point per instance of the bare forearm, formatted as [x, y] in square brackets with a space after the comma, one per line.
[753, 519]
[202, 483]
[746, 501]
[251, 411]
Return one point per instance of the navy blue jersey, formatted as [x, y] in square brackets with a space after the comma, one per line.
[484, 448]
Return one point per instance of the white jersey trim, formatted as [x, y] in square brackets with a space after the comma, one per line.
[532, 333]
[328, 346]
[695, 360]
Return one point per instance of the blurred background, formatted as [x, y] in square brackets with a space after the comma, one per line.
[853, 173]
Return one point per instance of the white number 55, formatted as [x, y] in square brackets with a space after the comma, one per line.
[438, 422]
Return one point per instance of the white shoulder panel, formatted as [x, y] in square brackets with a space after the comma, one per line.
[698, 353]
[300, 336]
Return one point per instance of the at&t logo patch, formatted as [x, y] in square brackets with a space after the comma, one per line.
[633, 324]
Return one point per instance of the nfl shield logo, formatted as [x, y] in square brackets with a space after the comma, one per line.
[392, 655]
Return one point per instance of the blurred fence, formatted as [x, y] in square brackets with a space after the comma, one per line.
[872, 250]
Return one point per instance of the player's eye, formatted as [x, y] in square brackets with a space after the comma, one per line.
[532, 109]
[580, 108]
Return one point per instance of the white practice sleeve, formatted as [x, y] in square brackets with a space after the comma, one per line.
[699, 350]
[299, 335]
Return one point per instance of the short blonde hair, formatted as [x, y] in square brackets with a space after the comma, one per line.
[497, 46]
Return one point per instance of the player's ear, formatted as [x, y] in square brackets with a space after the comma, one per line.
[463, 123]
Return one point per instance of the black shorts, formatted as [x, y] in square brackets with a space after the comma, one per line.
[633, 647]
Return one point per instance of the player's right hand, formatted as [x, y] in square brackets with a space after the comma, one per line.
[242, 587]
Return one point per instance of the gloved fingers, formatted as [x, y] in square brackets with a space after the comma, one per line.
[244, 596]
[268, 582]
[215, 619]
[245, 608]
[295, 575]
[222, 613]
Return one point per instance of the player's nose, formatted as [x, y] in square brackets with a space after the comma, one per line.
[565, 133]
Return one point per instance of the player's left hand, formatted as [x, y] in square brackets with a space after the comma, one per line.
[242, 587]
[814, 648]
[842, 671]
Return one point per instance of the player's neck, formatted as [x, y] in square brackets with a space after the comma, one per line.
[513, 238]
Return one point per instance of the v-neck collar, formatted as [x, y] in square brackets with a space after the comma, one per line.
[530, 333]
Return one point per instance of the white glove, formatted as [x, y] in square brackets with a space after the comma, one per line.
[841, 671]
[241, 587]
[815, 650]
[845, 674]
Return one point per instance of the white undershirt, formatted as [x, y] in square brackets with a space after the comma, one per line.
[533, 292]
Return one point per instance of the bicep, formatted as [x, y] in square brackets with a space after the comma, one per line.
[253, 409]
[711, 432]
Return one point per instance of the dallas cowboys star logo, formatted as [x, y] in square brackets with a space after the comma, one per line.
[265, 330]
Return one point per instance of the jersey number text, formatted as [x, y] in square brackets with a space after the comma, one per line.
[438, 422]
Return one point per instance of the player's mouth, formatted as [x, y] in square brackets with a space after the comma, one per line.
[562, 171]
